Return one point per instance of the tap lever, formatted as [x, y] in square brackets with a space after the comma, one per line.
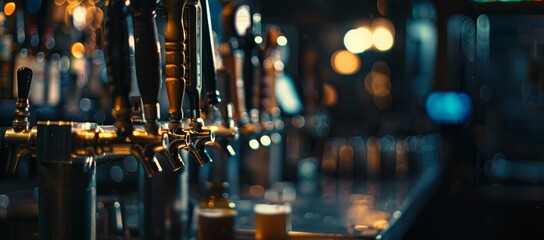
[119, 64]
[24, 79]
[209, 69]
[192, 18]
[147, 60]
[175, 57]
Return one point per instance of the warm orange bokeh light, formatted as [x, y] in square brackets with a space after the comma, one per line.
[345, 62]
[330, 96]
[78, 50]
[9, 8]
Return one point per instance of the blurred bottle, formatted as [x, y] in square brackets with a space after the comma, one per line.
[216, 214]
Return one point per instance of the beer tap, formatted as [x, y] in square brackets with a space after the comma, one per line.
[238, 30]
[199, 135]
[147, 60]
[235, 22]
[20, 137]
[148, 65]
[124, 138]
[175, 48]
[175, 62]
[226, 132]
[224, 128]
[66, 151]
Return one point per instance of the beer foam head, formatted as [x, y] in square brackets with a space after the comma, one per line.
[272, 208]
[216, 212]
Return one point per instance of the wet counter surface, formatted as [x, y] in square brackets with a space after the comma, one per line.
[343, 209]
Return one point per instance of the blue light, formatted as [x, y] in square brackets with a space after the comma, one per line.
[287, 95]
[448, 107]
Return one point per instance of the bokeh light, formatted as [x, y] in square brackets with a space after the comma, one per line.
[9, 8]
[258, 39]
[282, 40]
[80, 17]
[382, 38]
[266, 140]
[78, 50]
[330, 96]
[345, 62]
[449, 107]
[242, 20]
[358, 40]
[383, 34]
[288, 98]
[254, 144]
[377, 82]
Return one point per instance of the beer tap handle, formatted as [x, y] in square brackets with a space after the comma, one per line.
[119, 65]
[147, 60]
[209, 69]
[24, 79]
[249, 68]
[192, 16]
[17, 139]
[175, 57]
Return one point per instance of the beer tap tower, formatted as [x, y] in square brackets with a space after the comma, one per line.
[67, 152]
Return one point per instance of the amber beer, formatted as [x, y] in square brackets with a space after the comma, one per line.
[216, 223]
[216, 214]
[272, 221]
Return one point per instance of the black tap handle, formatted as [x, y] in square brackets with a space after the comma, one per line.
[175, 57]
[24, 79]
[193, 19]
[209, 69]
[118, 64]
[249, 68]
[147, 60]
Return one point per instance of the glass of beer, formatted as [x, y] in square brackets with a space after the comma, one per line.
[272, 221]
[216, 223]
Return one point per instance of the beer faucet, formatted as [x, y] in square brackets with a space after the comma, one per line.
[224, 128]
[200, 135]
[183, 77]
[20, 137]
[240, 32]
[124, 137]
